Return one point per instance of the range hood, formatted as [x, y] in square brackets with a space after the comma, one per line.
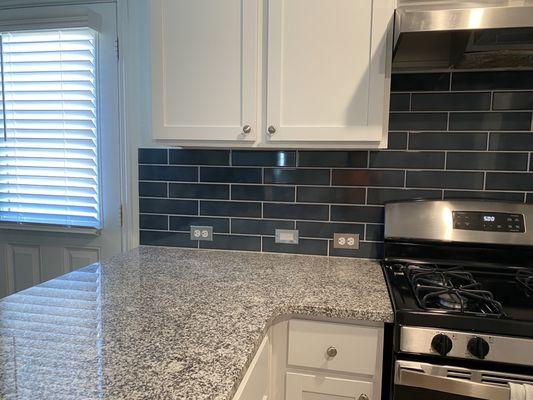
[429, 37]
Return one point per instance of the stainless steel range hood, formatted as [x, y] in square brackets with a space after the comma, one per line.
[478, 36]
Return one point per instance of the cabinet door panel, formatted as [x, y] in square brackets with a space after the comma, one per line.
[204, 69]
[316, 387]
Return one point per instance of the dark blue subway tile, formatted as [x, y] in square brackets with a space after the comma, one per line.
[400, 101]
[151, 221]
[488, 161]
[199, 157]
[382, 196]
[411, 121]
[404, 159]
[327, 229]
[509, 181]
[259, 226]
[297, 176]
[199, 191]
[511, 141]
[230, 208]
[513, 101]
[153, 189]
[168, 206]
[490, 121]
[484, 195]
[230, 175]
[492, 80]
[447, 141]
[397, 141]
[262, 193]
[167, 173]
[313, 194]
[529, 198]
[451, 101]
[374, 232]
[153, 156]
[264, 158]
[411, 82]
[370, 250]
[184, 223]
[172, 239]
[339, 159]
[233, 242]
[295, 211]
[366, 177]
[305, 246]
[445, 179]
[357, 214]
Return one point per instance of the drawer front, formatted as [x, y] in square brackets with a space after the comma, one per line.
[356, 347]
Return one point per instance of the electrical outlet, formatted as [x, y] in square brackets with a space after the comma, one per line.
[204, 233]
[288, 236]
[345, 241]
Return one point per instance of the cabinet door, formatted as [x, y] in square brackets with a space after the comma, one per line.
[328, 71]
[204, 69]
[316, 387]
[255, 384]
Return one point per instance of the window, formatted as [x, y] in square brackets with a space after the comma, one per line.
[48, 128]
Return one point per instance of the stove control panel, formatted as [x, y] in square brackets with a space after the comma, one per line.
[488, 221]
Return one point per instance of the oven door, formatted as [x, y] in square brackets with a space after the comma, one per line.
[421, 381]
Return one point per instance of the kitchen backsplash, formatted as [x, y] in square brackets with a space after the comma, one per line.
[452, 135]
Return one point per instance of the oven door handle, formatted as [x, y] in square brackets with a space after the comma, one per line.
[452, 385]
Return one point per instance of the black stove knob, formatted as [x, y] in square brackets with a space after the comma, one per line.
[478, 347]
[442, 344]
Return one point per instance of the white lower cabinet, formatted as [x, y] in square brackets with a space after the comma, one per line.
[256, 383]
[301, 386]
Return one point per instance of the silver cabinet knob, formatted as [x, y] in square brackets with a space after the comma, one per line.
[363, 397]
[331, 352]
[271, 129]
[246, 129]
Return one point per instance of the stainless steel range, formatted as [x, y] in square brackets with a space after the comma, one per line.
[460, 275]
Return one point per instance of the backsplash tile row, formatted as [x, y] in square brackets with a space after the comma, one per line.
[452, 136]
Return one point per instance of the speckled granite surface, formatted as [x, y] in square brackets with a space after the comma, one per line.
[163, 323]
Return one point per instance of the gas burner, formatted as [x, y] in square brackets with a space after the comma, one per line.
[525, 277]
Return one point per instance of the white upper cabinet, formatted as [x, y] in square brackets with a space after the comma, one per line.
[204, 65]
[295, 73]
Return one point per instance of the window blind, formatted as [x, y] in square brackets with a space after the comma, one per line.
[49, 158]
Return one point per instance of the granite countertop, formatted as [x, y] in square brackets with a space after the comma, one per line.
[165, 323]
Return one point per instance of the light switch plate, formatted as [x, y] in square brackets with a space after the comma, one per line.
[287, 236]
[345, 241]
[203, 233]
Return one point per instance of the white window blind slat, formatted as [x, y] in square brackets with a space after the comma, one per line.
[49, 163]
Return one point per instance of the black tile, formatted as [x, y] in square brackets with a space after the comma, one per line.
[445, 179]
[490, 121]
[297, 176]
[230, 175]
[199, 191]
[199, 157]
[355, 159]
[366, 250]
[400, 101]
[259, 226]
[233, 242]
[450, 101]
[382, 196]
[296, 211]
[511, 141]
[151, 221]
[313, 194]
[167, 173]
[529, 198]
[365, 177]
[470, 194]
[173, 239]
[374, 232]
[404, 159]
[153, 156]
[262, 193]
[326, 230]
[420, 82]
[492, 80]
[153, 189]
[230, 208]
[264, 158]
[397, 141]
[418, 121]
[488, 161]
[513, 101]
[167, 206]
[509, 181]
[447, 141]
[305, 246]
[357, 214]
[184, 223]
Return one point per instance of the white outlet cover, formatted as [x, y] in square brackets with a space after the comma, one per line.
[287, 236]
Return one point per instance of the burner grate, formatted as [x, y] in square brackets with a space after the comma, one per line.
[525, 277]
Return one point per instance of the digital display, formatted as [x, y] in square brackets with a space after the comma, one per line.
[488, 222]
[489, 218]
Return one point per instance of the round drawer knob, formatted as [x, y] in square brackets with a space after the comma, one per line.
[246, 129]
[271, 129]
[363, 397]
[331, 351]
